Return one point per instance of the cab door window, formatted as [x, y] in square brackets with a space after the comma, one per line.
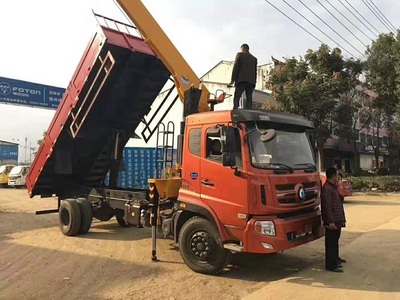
[214, 149]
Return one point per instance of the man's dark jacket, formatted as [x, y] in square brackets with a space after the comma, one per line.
[245, 68]
[332, 206]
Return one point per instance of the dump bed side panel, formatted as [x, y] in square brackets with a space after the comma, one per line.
[110, 92]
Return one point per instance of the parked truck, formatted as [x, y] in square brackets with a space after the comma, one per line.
[259, 193]
[17, 176]
[4, 173]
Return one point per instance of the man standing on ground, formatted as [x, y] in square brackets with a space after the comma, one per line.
[244, 75]
[334, 219]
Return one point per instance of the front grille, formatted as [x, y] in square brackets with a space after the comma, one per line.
[309, 184]
[285, 187]
[288, 187]
[290, 198]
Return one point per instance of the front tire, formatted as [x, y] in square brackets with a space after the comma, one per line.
[201, 247]
[70, 217]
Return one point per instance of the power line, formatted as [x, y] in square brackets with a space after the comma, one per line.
[377, 10]
[362, 16]
[395, 29]
[325, 24]
[299, 24]
[374, 13]
[352, 33]
[348, 20]
[358, 18]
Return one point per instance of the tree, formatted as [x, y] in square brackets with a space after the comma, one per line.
[352, 106]
[39, 142]
[394, 143]
[383, 65]
[269, 105]
[312, 87]
[378, 121]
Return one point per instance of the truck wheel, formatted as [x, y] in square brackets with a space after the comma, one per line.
[86, 215]
[70, 217]
[201, 247]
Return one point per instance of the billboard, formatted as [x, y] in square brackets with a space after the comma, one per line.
[25, 93]
[8, 153]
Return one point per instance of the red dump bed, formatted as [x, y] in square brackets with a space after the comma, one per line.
[111, 91]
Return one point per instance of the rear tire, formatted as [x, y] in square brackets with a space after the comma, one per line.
[86, 215]
[201, 247]
[70, 217]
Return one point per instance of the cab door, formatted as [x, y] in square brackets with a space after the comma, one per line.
[220, 189]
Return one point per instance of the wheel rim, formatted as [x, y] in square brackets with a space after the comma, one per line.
[65, 217]
[202, 246]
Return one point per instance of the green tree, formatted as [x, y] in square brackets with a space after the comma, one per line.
[394, 143]
[383, 73]
[313, 87]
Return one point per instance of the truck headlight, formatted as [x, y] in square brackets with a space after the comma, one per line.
[265, 227]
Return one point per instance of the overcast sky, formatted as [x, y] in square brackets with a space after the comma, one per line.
[42, 40]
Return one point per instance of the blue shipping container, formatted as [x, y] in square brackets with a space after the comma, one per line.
[140, 164]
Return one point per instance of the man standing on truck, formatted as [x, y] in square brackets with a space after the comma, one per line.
[334, 219]
[244, 76]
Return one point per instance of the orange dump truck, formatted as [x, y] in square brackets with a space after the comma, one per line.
[259, 193]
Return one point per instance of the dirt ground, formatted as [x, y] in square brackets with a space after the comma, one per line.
[110, 262]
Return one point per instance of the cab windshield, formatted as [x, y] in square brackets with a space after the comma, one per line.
[16, 170]
[287, 148]
[2, 169]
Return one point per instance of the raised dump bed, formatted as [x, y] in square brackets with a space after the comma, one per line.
[111, 91]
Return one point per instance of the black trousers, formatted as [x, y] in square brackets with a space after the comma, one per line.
[332, 247]
[239, 89]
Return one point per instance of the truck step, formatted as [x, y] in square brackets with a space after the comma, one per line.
[233, 247]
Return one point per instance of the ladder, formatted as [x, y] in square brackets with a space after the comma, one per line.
[164, 149]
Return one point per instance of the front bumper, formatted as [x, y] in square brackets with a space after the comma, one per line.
[290, 232]
[15, 183]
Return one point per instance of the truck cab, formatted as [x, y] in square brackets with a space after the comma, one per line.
[263, 189]
[17, 176]
[4, 171]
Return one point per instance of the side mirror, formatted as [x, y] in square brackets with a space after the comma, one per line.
[228, 139]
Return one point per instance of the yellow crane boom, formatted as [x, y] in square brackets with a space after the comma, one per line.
[183, 75]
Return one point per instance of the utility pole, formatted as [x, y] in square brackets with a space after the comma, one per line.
[26, 140]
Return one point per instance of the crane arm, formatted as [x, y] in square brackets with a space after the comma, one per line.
[155, 37]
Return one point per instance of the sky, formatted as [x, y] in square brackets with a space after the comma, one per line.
[42, 41]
